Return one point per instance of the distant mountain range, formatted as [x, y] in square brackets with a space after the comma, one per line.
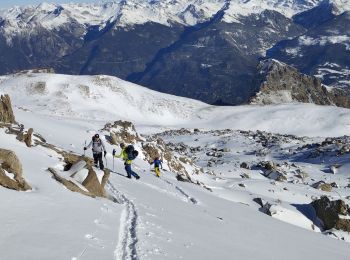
[207, 50]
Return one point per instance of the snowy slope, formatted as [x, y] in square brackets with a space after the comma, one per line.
[105, 98]
[162, 218]
[96, 97]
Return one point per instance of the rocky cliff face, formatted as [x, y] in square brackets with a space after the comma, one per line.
[276, 82]
[6, 112]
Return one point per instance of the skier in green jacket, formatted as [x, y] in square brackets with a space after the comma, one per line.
[124, 155]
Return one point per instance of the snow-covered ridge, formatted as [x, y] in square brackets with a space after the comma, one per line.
[131, 12]
[95, 97]
[105, 99]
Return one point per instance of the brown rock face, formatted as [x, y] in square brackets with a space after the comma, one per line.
[92, 184]
[328, 211]
[277, 82]
[6, 112]
[122, 132]
[76, 163]
[11, 164]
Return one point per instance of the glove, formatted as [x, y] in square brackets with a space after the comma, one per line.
[113, 152]
[104, 153]
[85, 148]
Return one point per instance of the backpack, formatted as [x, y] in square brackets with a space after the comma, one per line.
[131, 152]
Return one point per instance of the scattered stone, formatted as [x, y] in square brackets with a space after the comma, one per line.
[244, 165]
[321, 185]
[245, 176]
[334, 185]
[182, 178]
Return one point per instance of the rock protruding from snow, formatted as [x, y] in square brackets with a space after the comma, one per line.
[94, 185]
[27, 137]
[272, 171]
[6, 112]
[122, 132]
[321, 185]
[329, 211]
[277, 82]
[79, 176]
[11, 171]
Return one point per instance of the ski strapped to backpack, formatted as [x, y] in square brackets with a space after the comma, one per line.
[131, 152]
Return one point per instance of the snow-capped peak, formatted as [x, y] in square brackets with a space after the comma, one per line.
[131, 12]
[341, 5]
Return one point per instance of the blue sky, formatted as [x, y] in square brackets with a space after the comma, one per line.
[9, 3]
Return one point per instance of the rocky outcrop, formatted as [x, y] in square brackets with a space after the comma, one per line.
[11, 172]
[272, 171]
[93, 185]
[6, 112]
[328, 212]
[74, 176]
[158, 148]
[122, 132]
[277, 82]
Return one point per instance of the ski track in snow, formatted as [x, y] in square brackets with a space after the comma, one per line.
[189, 198]
[126, 248]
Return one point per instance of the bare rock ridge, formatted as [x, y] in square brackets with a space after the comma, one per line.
[277, 82]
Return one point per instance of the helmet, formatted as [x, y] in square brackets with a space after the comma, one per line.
[97, 136]
[122, 145]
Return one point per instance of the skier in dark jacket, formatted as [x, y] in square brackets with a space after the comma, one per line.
[157, 163]
[97, 148]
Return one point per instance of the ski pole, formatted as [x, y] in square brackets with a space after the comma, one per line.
[106, 161]
[113, 162]
[84, 147]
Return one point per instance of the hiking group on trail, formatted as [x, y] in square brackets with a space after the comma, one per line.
[127, 154]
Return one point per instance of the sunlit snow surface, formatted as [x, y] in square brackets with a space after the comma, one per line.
[161, 218]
